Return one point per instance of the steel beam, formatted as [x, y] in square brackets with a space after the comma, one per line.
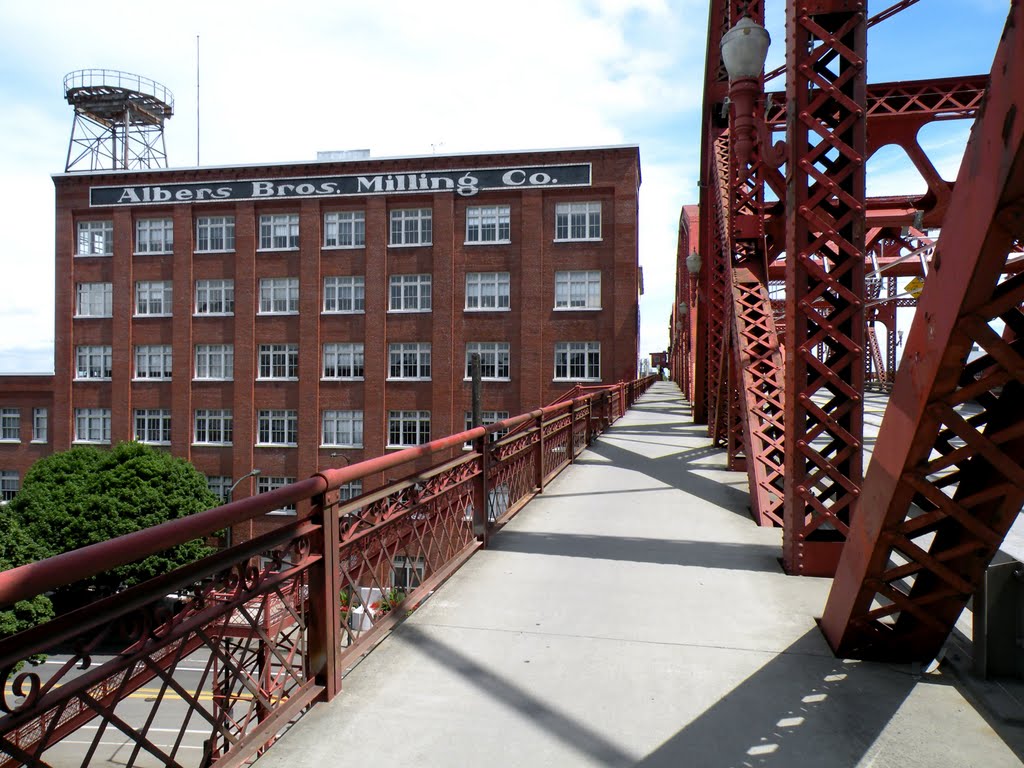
[825, 244]
[947, 477]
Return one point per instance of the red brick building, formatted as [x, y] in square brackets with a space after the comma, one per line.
[280, 317]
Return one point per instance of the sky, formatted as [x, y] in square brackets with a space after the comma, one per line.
[280, 82]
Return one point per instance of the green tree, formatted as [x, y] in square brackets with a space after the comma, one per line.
[17, 548]
[86, 495]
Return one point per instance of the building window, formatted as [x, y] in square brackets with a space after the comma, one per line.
[345, 229]
[92, 425]
[488, 224]
[411, 226]
[279, 295]
[219, 485]
[279, 231]
[578, 290]
[40, 422]
[578, 221]
[408, 428]
[578, 360]
[346, 293]
[494, 357]
[487, 417]
[215, 233]
[9, 485]
[213, 427]
[10, 425]
[215, 361]
[215, 297]
[95, 238]
[154, 235]
[153, 298]
[409, 360]
[153, 425]
[410, 293]
[278, 361]
[94, 300]
[277, 428]
[270, 483]
[343, 361]
[93, 362]
[342, 428]
[348, 491]
[487, 291]
[153, 362]
[406, 573]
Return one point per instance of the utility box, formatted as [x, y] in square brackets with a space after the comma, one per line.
[999, 620]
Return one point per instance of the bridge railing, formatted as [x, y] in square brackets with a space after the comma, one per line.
[235, 646]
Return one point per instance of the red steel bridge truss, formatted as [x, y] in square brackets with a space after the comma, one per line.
[776, 325]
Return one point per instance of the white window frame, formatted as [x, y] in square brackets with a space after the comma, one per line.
[279, 296]
[409, 361]
[495, 360]
[10, 484]
[265, 483]
[152, 425]
[336, 426]
[153, 298]
[488, 224]
[411, 227]
[94, 300]
[154, 235]
[97, 237]
[277, 362]
[488, 292]
[10, 425]
[153, 362]
[405, 425]
[94, 423]
[345, 229]
[40, 425]
[215, 234]
[215, 297]
[341, 356]
[280, 423]
[279, 232]
[213, 426]
[410, 293]
[486, 417]
[344, 295]
[567, 358]
[577, 221]
[209, 357]
[348, 491]
[95, 361]
[219, 485]
[577, 290]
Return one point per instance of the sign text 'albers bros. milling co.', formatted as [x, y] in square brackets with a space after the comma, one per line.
[463, 182]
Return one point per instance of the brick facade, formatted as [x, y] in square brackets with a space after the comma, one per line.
[531, 326]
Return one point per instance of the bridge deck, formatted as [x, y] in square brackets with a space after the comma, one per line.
[635, 615]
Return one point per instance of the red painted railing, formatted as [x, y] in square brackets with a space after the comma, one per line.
[268, 627]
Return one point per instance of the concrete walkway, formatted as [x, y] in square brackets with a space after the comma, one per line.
[633, 615]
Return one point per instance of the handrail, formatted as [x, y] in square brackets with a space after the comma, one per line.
[31, 579]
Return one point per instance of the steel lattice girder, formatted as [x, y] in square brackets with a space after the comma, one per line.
[758, 359]
[825, 239]
[946, 480]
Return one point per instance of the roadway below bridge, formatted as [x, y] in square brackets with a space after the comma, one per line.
[634, 615]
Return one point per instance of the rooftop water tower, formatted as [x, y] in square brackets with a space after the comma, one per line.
[119, 120]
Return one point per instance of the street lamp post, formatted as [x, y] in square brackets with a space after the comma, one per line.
[227, 500]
